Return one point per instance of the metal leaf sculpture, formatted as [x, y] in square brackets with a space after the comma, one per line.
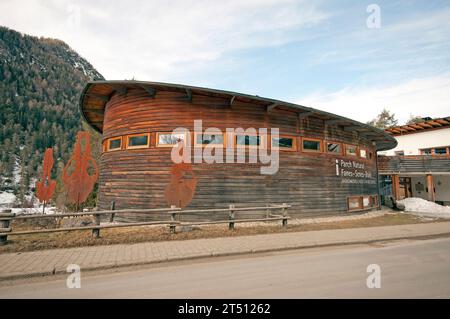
[81, 172]
[181, 189]
[45, 188]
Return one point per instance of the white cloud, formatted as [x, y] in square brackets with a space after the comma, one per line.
[154, 40]
[427, 96]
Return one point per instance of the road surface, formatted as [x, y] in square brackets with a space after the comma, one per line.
[409, 269]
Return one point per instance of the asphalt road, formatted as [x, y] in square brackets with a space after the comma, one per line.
[409, 269]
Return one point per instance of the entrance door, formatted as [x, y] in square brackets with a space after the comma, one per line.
[405, 190]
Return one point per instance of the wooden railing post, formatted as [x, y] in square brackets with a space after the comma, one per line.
[267, 210]
[5, 225]
[113, 207]
[96, 231]
[173, 215]
[284, 214]
[231, 217]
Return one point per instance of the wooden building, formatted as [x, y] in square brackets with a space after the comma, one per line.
[327, 163]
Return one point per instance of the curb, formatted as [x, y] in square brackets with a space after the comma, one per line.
[171, 259]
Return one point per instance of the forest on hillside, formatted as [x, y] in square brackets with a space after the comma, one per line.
[40, 83]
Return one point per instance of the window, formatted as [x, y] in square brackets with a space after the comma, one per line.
[284, 143]
[399, 153]
[138, 141]
[169, 139]
[354, 203]
[334, 147]
[363, 153]
[311, 145]
[350, 150]
[440, 151]
[248, 140]
[114, 144]
[209, 138]
[426, 151]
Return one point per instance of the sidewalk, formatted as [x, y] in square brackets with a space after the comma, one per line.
[55, 261]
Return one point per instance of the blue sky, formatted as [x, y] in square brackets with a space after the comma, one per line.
[320, 54]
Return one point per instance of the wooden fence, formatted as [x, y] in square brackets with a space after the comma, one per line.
[6, 218]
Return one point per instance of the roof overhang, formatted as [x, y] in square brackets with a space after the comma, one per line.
[96, 95]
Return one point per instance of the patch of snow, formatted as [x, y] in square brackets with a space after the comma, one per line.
[17, 171]
[34, 210]
[7, 199]
[422, 207]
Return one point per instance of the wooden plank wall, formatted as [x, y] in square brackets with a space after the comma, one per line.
[137, 178]
[413, 164]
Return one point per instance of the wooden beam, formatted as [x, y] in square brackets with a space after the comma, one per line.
[417, 127]
[151, 91]
[430, 188]
[189, 95]
[424, 125]
[442, 121]
[121, 90]
[271, 107]
[232, 100]
[434, 123]
[396, 187]
[305, 114]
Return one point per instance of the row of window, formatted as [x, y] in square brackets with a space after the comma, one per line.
[283, 143]
[361, 202]
[444, 150]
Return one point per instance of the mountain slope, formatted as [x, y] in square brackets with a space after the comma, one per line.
[40, 82]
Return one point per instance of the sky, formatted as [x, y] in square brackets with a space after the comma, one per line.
[351, 58]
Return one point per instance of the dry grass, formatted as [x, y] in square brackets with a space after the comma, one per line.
[129, 235]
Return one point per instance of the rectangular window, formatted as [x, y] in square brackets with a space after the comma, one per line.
[138, 141]
[169, 139]
[248, 140]
[334, 147]
[426, 151]
[209, 138]
[440, 151]
[363, 153]
[114, 144]
[354, 203]
[311, 145]
[399, 153]
[284, 143]
[350, 150]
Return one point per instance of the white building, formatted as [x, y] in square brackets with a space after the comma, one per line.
[420, 164]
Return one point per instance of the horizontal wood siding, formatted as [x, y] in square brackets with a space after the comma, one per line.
[414, 164]
[137, 178]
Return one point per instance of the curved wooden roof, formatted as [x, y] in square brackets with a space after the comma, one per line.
[97, 93]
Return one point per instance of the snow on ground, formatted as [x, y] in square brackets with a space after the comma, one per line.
[33, 210]
[421, 207]
[7, 199]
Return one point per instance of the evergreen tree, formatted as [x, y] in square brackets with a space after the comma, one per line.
[40, 84]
